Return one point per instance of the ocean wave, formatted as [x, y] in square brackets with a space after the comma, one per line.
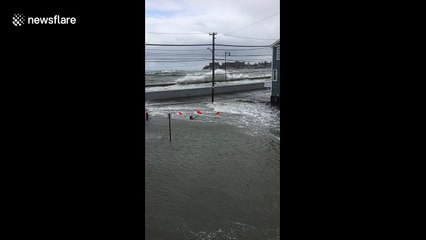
[166, 73]
[205, 77]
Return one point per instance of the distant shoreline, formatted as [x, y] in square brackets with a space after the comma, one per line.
[239, 65]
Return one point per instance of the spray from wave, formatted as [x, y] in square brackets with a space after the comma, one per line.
[206, 77]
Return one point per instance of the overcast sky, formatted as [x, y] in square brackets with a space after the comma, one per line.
[241, 22]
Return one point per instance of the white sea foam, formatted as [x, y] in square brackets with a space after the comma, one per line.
[206, 76]
[204, 84]
[257, 117]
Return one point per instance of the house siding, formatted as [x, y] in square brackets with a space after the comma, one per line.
[275, 93]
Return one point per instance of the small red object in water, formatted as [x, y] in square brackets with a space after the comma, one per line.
[180, 113]
[199, 112]
[218, 113]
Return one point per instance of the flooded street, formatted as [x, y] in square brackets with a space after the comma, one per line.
[219, 176]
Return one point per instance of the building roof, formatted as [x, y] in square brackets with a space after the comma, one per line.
[275, 43]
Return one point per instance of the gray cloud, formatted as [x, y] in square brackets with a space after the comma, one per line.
[222, 16]
[202, 16]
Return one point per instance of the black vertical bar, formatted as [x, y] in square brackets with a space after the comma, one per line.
[170, 128]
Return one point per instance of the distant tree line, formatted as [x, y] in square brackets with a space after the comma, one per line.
[238, 65]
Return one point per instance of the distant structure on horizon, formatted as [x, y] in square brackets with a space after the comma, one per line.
[275, 77]
[238, 65]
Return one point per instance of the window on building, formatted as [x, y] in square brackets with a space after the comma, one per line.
[278, 53]
[274, 75]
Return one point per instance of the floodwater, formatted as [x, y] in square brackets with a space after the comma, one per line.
[219, 176]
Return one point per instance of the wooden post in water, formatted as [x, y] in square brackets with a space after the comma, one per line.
[170, 128]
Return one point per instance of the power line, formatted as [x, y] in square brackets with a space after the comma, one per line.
[255, 55]
[173, 50]
[244, 60]
[154, 50]
[175, 58]
[205, 59]
[155, 60]
[180, 60]
[248, 49]
[202, 54]
[176, 45]
[188, 52]
[227, 45]
[181, 56]
[199, 45]
[173, 33]
[254, 23]
[249, 37]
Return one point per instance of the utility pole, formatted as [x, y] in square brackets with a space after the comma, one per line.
[225, 62]
[213, 38]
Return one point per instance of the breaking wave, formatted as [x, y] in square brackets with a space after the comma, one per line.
[206, 77]
[165, 73]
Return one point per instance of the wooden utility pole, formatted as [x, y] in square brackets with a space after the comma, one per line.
[213, 38]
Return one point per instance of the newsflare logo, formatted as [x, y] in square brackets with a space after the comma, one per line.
[19, 19]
